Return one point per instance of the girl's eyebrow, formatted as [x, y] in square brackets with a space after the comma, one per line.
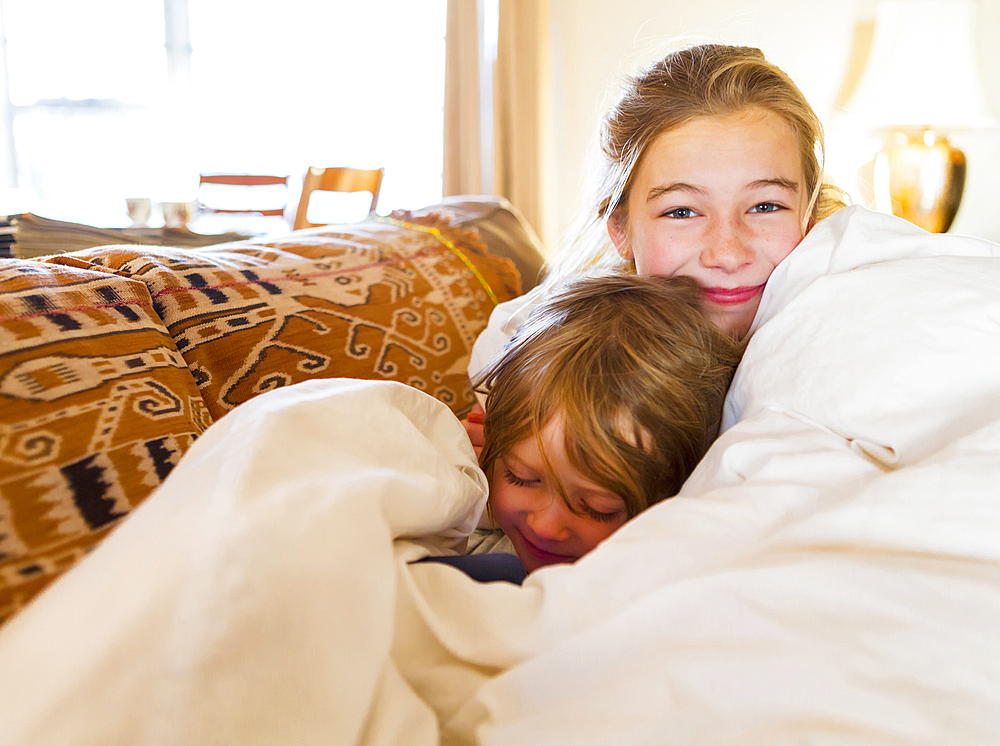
[791, 186]
[677, 186]
[682, 186]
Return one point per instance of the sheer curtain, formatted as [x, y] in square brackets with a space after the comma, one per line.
[497, 103]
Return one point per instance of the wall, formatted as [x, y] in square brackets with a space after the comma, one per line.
[819, 43]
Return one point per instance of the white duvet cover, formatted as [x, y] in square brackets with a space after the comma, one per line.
[829, 575]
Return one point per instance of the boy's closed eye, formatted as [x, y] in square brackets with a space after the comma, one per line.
[518, 481]
[597, 506]
[604, 508]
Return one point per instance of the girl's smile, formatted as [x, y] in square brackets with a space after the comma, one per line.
[721, 199]
[731, 296]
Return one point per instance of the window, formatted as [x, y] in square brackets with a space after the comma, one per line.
[111, 99]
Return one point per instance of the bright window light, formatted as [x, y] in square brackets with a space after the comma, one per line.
[102, 112]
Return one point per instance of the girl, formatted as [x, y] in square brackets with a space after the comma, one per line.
[602, 403]
[711, 169]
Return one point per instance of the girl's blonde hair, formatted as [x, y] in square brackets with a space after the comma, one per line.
[700, 81]
[634, 368]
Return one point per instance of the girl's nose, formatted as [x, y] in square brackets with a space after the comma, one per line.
[548, 519]
[728, 248]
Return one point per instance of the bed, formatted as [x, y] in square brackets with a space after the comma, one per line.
[830, 573]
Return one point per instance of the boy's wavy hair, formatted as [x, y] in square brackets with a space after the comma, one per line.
[634, 368]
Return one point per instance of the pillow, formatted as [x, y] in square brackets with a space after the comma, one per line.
[399, 298]
[504, 230]
[98, 406]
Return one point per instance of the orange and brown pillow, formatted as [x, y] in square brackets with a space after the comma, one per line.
[114, 359]
[394, 298]
[98, 406]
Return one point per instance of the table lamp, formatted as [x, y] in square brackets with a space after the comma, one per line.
[921, 81]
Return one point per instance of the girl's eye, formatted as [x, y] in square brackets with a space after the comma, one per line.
[515, 480]
[767, 207]
[680, 213]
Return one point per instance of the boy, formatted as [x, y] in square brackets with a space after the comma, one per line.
[601, 405]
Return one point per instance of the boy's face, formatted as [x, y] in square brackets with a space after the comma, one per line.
[526, 503]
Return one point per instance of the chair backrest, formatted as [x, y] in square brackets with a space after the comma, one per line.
[337, 180]
[245, 180]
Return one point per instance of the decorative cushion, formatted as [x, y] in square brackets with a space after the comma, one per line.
[97, 407]
[399, 298]
[504, 230]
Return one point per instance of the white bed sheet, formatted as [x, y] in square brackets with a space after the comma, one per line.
[829, 575]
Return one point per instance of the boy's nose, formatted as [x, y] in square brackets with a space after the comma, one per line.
[728, 248]
[548, 520]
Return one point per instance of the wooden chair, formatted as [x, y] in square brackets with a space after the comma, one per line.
[337, 180]
[246, 180]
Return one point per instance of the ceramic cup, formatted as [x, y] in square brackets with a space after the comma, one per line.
[139, 210]
[177, 214]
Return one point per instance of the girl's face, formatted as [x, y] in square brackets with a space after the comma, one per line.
[527, 505]
[722, 200]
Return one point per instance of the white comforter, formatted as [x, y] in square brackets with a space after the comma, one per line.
[829, 575]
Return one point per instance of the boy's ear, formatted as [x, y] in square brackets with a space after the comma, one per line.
[618, 232]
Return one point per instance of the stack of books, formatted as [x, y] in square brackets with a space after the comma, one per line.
[33, 235]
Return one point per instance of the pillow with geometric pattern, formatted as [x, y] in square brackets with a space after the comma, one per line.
[388, 299]
[97, 407]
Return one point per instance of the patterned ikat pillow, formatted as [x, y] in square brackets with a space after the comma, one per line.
[97, 407]
[114, 359]
[396, 298]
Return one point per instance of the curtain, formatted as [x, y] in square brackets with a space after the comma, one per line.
[497, 111]
[464, 147]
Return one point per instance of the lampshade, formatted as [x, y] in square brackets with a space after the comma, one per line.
[922, 69]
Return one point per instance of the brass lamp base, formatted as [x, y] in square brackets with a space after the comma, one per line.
[920, 179]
